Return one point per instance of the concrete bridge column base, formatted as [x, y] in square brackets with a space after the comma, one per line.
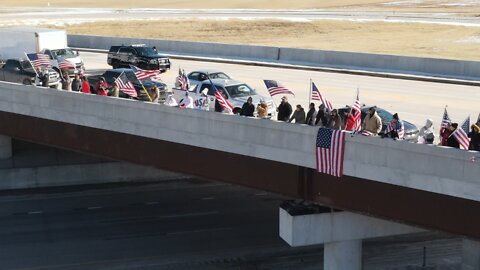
[343, 255]
[470, 255]
[5, 147]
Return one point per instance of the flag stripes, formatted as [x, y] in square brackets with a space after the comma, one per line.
[460, 134]
[126, 86]
[274, 88]
[316, 95]
[330, 149]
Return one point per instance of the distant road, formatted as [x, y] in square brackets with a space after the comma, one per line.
[58, 16]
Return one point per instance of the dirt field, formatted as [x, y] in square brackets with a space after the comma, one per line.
[455, 42]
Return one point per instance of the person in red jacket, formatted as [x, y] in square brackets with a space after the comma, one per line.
[102, 87]
[85, 85]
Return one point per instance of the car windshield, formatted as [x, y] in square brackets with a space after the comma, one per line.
[146, 51]
[384, 115]
[26, 64]
[66, 53]
[240, 90]
[218, 75]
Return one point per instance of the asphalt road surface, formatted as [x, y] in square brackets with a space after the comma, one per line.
[61, 16]
[188, 224]
[414, 101]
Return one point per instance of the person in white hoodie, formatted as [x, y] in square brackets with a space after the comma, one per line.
[186, 102]
[170, 100]
[426, 135]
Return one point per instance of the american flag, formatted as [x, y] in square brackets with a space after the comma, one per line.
[125, 85]
[460, 134]
[357, 114]
[183, 80]
[330, 149]
[274, 88]
[393, 126]
[64, 63]
[366, 133]
[39, 60]
[221, 99]
[317, 96]
[445, 120]
[142, 74]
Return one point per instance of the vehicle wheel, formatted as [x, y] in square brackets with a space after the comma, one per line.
[236, 111]
[27, 82]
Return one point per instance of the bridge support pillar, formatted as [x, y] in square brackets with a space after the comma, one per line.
[5, 147]
[341, 232]
[343, 255]
[470, 254]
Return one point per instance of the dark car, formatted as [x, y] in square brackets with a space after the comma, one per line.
[411, 131]
[115, 73]
[141, 56]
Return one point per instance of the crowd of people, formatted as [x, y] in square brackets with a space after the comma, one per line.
[323, 117]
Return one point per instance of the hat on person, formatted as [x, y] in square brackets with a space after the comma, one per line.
[395, 116]
[284, 98]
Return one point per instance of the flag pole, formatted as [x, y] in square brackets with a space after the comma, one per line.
[310, 96]
[144, 89]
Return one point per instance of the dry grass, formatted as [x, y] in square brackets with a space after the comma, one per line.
[426, 40]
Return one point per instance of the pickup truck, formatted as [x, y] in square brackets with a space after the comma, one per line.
[235, 92]
[21, 71]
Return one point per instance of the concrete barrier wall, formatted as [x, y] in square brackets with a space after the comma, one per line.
[436, 169]
[318, 58]
[179, 47]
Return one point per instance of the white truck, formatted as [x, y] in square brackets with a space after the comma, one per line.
[16, 41]
[235, 92]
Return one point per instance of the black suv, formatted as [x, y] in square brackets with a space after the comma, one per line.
[140, 56]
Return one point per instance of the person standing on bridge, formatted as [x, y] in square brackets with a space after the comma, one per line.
[115, 90]
[372, 122]
[311, 115]
[298, 115]
[66, 82]
[85, 86]
[335, 121]
[101, 88]
[451, 140]
[248, 108]
[76, 83]
[186, 102]
[474, 136]
[445, 133]
[425, 135]
[284, 110]
[322, 116]
[262, 109]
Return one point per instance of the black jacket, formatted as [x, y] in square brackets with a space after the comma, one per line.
[452, 142]
[247, 109]
[284, 111]
[474, 141]
[311, 117]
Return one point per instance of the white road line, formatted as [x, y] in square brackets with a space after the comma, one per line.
[191, 214]
[208, 198]
[35, 212]
[200, 231]
[151, 203]
[94, 207]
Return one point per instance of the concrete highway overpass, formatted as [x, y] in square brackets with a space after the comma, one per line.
[427, 186]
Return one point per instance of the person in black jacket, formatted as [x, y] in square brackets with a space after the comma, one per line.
[248, 108]
[284, 110]
[311, 115]
[452, 141]
[474, 136]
